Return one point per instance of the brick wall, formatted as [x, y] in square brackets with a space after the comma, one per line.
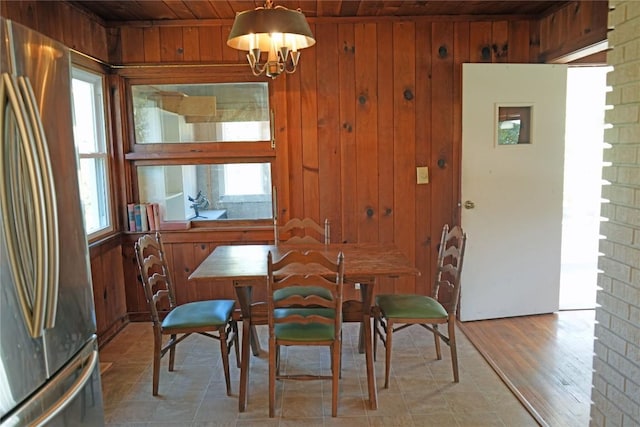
[616, 380]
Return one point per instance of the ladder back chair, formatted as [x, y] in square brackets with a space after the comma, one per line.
[305, 230]
[211, 318]
[405, 310]
[304, 318]
[297, 231]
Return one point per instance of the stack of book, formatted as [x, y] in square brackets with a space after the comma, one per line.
[143, 216]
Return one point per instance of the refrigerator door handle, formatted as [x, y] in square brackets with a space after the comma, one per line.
[72, 392]
[51, 253]
[21, 196]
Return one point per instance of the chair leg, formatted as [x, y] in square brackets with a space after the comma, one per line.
[387, 345]
[172, 354]
[236, 342]
[272, 377]
[244, 364]
[157, 348]
[454, 350]
[336, 350]
[376, 325]
[436, 338]
[224, 351]
[340, 367]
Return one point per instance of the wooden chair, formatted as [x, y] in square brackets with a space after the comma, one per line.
[301, 318]
[297, 231]
[212, 318]
[305, 230]
[407, 310]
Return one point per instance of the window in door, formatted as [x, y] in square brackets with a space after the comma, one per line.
[89, 131]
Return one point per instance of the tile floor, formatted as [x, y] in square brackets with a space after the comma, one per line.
[421, 393]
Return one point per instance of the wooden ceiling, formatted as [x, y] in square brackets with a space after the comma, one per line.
[162, 10]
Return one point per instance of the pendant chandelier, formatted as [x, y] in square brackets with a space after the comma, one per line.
[278, 31]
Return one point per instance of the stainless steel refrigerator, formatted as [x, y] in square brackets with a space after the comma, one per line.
[49, 370]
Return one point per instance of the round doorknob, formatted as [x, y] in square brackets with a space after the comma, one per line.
[469, 204]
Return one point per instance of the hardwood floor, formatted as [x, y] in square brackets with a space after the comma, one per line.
[546, 360]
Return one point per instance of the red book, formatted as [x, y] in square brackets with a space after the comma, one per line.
[151, 217]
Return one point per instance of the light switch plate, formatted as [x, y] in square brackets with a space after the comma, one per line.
[422, 173]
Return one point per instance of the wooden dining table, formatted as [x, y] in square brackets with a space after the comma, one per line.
[246, 266]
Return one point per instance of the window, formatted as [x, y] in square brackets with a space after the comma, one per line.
[207, 192]
[203, 151]
[89, 132]
[514, 125]
[201, 112]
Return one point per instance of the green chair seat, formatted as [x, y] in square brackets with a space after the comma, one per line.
[410, 307]
[304, 332]
[199, 314]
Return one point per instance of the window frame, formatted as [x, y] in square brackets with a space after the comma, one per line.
[149, 154]
[86, 65]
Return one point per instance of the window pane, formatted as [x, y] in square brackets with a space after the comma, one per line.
[514, 125]
[208, 192]
[89, 136]
[93, 197]
[220, 112]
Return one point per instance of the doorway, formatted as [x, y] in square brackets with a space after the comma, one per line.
[586, 89]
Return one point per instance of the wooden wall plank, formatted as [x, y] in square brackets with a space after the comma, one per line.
[210, 44]
[113, 278]
[386, 207]
[49, 18]
[182, 262]
[291, 202]
[280, 174]
[500, 41]
[423, 150]
[347, 95]
[328, 125]
[131, 53]
[366, 162]
[151, 39]
[574, 19]
[133, 290]
[229, 54]
[444, 166]
[460, 56]
[480, 41]
[97, 278]
[404, 82]
[309, 124]
[519, 41]
[171, 44]
[23, 12]
[191, 44]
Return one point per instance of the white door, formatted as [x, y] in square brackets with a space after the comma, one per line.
[513, 130]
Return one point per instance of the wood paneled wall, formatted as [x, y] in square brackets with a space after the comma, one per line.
[63, 22]
[577, 26]
[371, 101]
[107, 275]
